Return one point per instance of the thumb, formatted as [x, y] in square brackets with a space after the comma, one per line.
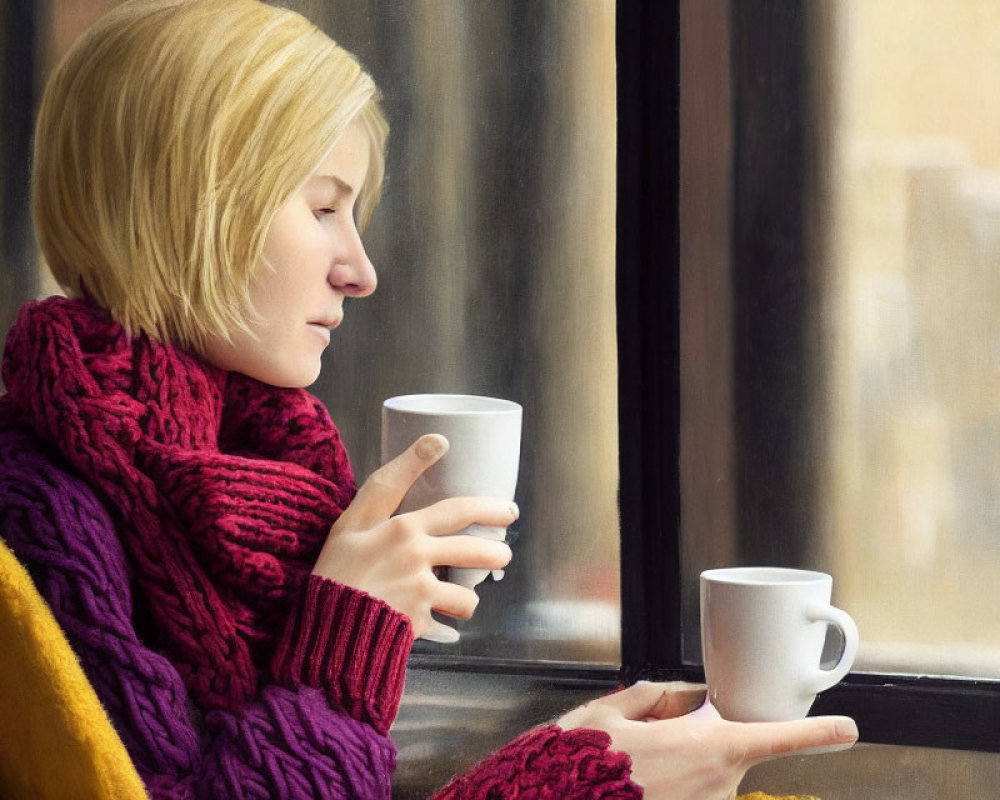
[381, 494]
[762, 741]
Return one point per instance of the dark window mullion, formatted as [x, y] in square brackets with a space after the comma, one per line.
[648, 366]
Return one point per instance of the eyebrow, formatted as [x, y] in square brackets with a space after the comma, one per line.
[339, 184]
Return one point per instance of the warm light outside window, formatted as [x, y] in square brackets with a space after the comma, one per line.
[912, 499]
[895, 405]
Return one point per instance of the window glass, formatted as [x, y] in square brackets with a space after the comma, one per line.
[911, 499]
[893, 339]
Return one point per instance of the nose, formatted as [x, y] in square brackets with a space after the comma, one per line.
[353, 272]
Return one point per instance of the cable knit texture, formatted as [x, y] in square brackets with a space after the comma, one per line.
[169, 514]
[284, 743]
[59, 715]
[549, 764]
[224, 488]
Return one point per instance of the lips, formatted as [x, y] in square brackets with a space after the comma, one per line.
[329, 322]
[323, 331]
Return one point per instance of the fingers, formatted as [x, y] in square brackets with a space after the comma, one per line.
[470, 551]
[382, 493]
[762, 741]
[648, 701]
[455, 600]
[458, 513]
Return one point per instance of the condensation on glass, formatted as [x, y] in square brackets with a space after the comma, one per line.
[495, 247]
[903, 394]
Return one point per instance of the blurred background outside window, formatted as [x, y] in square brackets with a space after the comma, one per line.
[914, 486]
[893, 345]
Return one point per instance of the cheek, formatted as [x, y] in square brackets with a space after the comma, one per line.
[286, 263]
[307, 250]
[293, 233]
[281, 251]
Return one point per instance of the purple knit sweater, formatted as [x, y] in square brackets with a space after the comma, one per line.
[180, 575]
[286, 743]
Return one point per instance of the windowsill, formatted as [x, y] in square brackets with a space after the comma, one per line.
[951, 660]
[454, 715]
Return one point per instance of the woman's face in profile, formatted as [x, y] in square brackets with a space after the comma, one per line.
[313, 258]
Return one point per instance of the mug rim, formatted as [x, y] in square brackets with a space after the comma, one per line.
[422, 404]
[764, 576]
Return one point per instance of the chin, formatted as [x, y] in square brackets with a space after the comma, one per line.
[299, 381]
[284, 378]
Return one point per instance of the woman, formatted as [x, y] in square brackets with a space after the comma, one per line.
[202, 168]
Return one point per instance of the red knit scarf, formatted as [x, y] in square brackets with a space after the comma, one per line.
[223, 488]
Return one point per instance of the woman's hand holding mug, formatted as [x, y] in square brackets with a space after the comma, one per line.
[484, 435]
[394, 557]
[681, 749]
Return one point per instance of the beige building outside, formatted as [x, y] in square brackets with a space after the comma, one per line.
[914, 486]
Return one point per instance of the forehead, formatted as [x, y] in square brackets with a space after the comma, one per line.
[347, 161]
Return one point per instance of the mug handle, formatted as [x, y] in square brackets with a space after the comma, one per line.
[822, 679]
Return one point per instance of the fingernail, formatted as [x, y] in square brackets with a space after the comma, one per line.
[846, 729]
[431, 446]
[515, 510]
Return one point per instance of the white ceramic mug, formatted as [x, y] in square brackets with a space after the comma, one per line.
[763, 630]
[484, 434]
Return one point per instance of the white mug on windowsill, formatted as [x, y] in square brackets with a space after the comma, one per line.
[763, 631]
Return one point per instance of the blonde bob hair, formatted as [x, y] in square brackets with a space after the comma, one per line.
[168, 138]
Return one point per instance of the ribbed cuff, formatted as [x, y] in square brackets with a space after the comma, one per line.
[350, 645]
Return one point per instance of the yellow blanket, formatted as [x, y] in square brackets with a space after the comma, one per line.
[56, 741]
